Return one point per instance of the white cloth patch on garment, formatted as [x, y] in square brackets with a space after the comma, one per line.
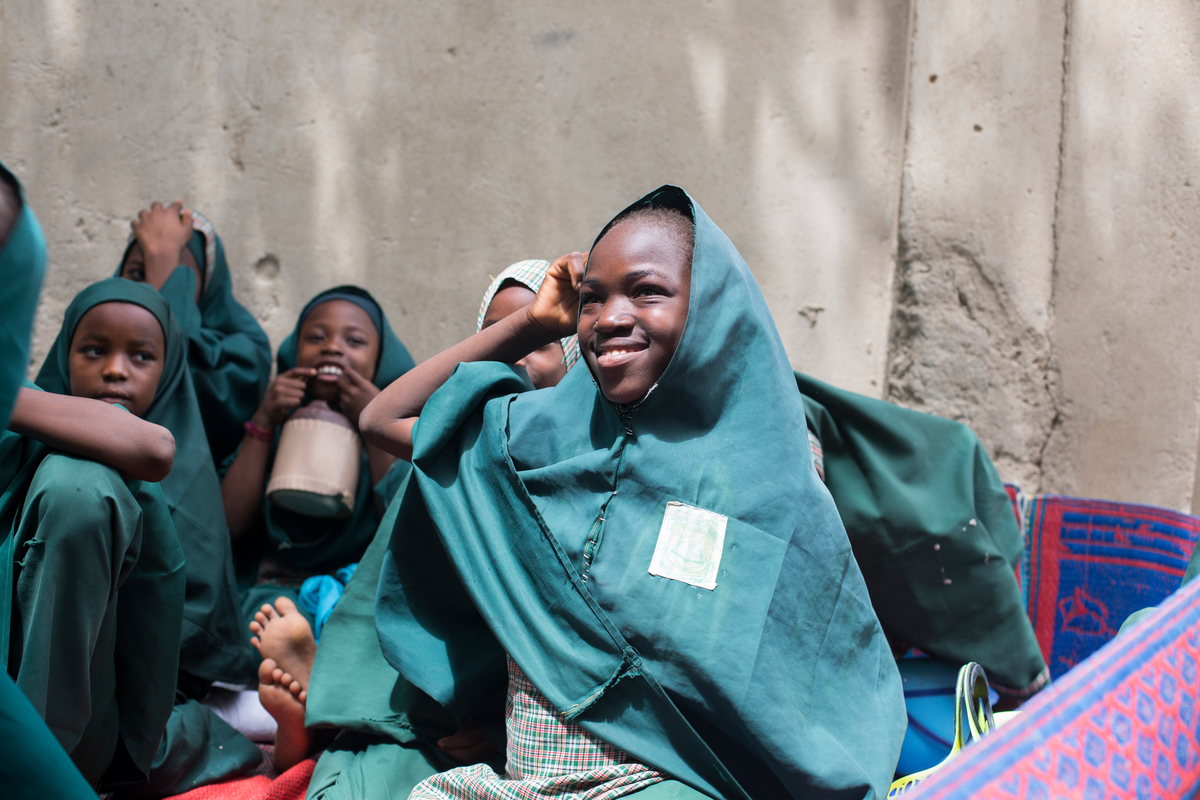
[689, 546]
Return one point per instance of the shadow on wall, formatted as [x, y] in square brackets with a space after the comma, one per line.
[419, 148]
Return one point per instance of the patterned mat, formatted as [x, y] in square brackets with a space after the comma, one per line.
[1122, 724]
[1089, 564]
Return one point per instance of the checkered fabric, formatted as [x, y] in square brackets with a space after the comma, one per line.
[818, 455]
[529, 274]
[548, 757]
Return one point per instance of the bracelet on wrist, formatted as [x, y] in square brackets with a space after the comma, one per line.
[255, 432]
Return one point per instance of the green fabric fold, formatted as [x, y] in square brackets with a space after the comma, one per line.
[932, 530]
[22, 263]
[215, 643]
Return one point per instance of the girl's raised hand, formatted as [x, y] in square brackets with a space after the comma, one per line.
[286, 393]
[162, 232]
[556, 307]
[354, 392]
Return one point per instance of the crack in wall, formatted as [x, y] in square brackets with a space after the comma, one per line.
[1052, 385]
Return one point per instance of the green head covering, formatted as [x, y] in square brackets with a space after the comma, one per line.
[22, 262]
[215, 645]
[674, 577]
[394, 359]
[228, 354]
[313, 544]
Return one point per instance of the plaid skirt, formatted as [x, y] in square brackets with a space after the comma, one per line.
[548, 757]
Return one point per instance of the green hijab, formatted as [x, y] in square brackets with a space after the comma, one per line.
[323, 545]
[533, 521]
[215, 644]
[932, 529]
[228, 354]
[22, 262]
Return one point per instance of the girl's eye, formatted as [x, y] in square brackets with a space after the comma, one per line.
[588, 299]
[91, 351]
[648, 291]
[143, 358]
[357, 342]
[136, 275]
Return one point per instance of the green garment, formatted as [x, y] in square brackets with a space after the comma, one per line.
[228, 354]
[83, 539]
[512, 537]
[22, 262]
[216, 644]
[394, 727]
[33, 765]
[324, 545]
[198, 748]
[932, 529]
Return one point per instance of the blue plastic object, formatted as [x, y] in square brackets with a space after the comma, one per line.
[929, 699]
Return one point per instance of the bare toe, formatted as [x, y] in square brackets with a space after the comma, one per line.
[256, 626]
[266, 671]
[267, 610]
[256, 643]
[284, 605]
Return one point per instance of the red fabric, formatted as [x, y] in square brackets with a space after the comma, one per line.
[291, 785]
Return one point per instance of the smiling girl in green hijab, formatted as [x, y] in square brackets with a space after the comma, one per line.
[178, 252]
[343, 333]
[646, 544]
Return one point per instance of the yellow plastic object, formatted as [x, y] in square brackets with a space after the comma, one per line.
[971, 696]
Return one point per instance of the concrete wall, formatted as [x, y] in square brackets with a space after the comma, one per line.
[982, 210]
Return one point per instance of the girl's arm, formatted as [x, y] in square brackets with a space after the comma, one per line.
[243, 485]
[93, 429]
[388, 420]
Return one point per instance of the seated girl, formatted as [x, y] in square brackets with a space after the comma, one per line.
[179, 253]
[98, 582]
[340, 354]
[644, 549]
[358, 691]
[78, 655]
[120, 343]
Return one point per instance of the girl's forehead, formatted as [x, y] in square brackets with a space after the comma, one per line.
[341, 314]
[118, 319]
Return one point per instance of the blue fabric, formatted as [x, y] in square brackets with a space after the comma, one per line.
[320, 593]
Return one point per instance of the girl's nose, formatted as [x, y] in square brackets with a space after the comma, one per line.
[614, 315]
[115, 368]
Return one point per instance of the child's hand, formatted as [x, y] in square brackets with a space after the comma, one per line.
[556, 307]
[286, 393]
[354, 392]
[162, 233]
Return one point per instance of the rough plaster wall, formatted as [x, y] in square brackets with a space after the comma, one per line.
[417, 148]
[976, 244]
[1128, 289]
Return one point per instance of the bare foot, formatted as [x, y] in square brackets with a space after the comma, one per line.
[281, 633]
[282, 697]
